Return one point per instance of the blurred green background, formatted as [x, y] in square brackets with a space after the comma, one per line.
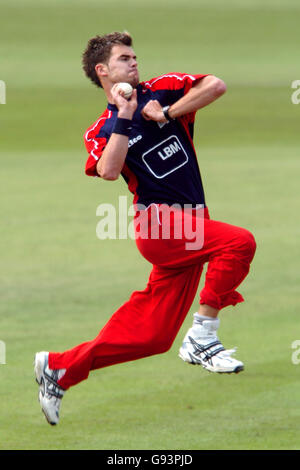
[60, 284]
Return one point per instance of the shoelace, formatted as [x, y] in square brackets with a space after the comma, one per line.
[207, 351]
[52, 387]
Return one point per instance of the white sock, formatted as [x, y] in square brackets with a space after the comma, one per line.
[199, 319]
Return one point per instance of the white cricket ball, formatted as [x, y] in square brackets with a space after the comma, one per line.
[126, 88]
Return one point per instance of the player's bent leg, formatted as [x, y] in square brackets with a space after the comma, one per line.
[227, 267]
[229, 264]
[145, 325]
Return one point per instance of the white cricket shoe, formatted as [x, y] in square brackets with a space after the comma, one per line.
[50, 393]
[201, 345]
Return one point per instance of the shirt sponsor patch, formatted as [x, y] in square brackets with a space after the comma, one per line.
[165, 157]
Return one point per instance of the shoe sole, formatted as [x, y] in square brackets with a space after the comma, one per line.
[38, 369]
[45, 414]
[236, 370]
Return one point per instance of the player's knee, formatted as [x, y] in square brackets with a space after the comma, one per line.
[164, 347]
[159, 346]
[247, 244]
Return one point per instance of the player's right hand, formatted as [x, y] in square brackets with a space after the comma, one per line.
[126, 107]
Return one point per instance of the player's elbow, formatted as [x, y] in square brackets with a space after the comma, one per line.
[219, 87]
[109, 175]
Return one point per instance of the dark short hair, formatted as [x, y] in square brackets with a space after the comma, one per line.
[99, 49]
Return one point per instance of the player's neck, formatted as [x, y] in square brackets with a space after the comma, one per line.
[107, 86]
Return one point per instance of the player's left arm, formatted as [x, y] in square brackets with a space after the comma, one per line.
[204, 92]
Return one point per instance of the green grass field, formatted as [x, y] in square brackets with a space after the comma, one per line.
[59, 284]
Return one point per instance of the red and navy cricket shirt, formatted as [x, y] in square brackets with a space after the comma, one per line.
[161, 164]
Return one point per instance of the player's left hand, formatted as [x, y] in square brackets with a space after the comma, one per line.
[153, 112]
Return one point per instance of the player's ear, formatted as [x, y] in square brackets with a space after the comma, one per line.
[101, 70]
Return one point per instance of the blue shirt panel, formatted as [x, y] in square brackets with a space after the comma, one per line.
[161, 157]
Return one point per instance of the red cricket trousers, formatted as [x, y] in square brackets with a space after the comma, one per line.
[149, 321]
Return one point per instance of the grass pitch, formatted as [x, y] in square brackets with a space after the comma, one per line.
[60, 284]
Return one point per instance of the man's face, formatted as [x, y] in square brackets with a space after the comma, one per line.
[122, 65]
